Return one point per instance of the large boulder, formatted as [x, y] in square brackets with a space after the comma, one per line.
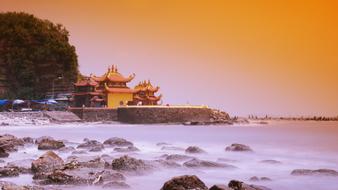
[48, 162]
[178, 157]
[219, 187]
[130, 164]
[185, 182]
[196, 163]
[126, 149]
[319, 172]
[238, 148]
[118, 142]
[116, 185]
[50, 144]
[194, 150]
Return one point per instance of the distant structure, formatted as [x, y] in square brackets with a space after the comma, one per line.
[111, 90]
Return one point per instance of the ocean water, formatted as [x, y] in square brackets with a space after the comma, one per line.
[297, 145]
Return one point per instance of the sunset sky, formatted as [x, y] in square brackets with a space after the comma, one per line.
[243, 56]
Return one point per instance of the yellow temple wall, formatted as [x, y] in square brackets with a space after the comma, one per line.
[114, 99]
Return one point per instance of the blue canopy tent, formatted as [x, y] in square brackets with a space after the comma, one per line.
[45, 101]
[3, 102]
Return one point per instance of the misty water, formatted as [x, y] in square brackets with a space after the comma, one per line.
[297, 145]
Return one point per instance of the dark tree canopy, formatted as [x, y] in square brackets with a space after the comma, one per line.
[33, 53]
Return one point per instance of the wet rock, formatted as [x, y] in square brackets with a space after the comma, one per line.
[166, 164]
[239, 185]
[196, 163]
[79, 152]
[28, 140]
[117, 142]
[38, 140]
[67, 149]
[178, 157]
[91, 145]
[47, 163]
[3, 153]
[255, 178]
[162, 144]
[86, 161]
[24, 166]
[126, 163]
[62, 177]
[172, 148]
[9, 171]
[49, 144]
[184, 182]
[116, 185]
[319, 172]
[109, 175]
[270, 162]
[194, 150]
[9, 143]
[12, 186]
[219, 187]
[238, 148]
[126, 149]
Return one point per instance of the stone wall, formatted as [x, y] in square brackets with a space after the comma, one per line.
[95, 114]
[164, 114]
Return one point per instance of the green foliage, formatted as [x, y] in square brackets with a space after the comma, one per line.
[34, 53]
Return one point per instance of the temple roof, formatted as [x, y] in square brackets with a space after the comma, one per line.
[86, 82]
[119, 90]
[112, 75]
[146, 86]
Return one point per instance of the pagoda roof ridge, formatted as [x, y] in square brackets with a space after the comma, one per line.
[113, 75]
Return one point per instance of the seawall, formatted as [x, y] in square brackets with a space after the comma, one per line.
[95, 114]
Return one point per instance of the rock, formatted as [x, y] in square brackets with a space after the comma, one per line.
[270, 162]
[63, 178]
[178, 157]
[166, 164]
[24, 166]
[196, 163]
[91, 145]
[9, 171]
[9, 143]
[116, 185]
[3, 153]
[162, 144]
[67, 149]
[79, 152]
[184, 182]
[50, 144]
[109, 175]
[117, 142]
[126, 149]
[255, 178]
[239, 185]
[319, 172]
[38, 140]
[172, 148]
[238, 148]
[126, 163]
[86, 161]
[12, 186]
[194, 150]
[47, 163]
[28, 140]
[219, 187]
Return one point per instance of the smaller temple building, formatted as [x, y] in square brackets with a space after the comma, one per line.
[111, 90]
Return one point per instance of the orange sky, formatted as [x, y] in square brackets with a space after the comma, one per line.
[244, 56]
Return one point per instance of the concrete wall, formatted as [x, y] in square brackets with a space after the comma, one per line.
[163, 114]
[95, 114]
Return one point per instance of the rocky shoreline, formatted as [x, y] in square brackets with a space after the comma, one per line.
[50, 171]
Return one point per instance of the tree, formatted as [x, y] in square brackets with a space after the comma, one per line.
[34, 52]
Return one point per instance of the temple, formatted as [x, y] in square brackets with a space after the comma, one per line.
[111, 90]
[146, 94]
